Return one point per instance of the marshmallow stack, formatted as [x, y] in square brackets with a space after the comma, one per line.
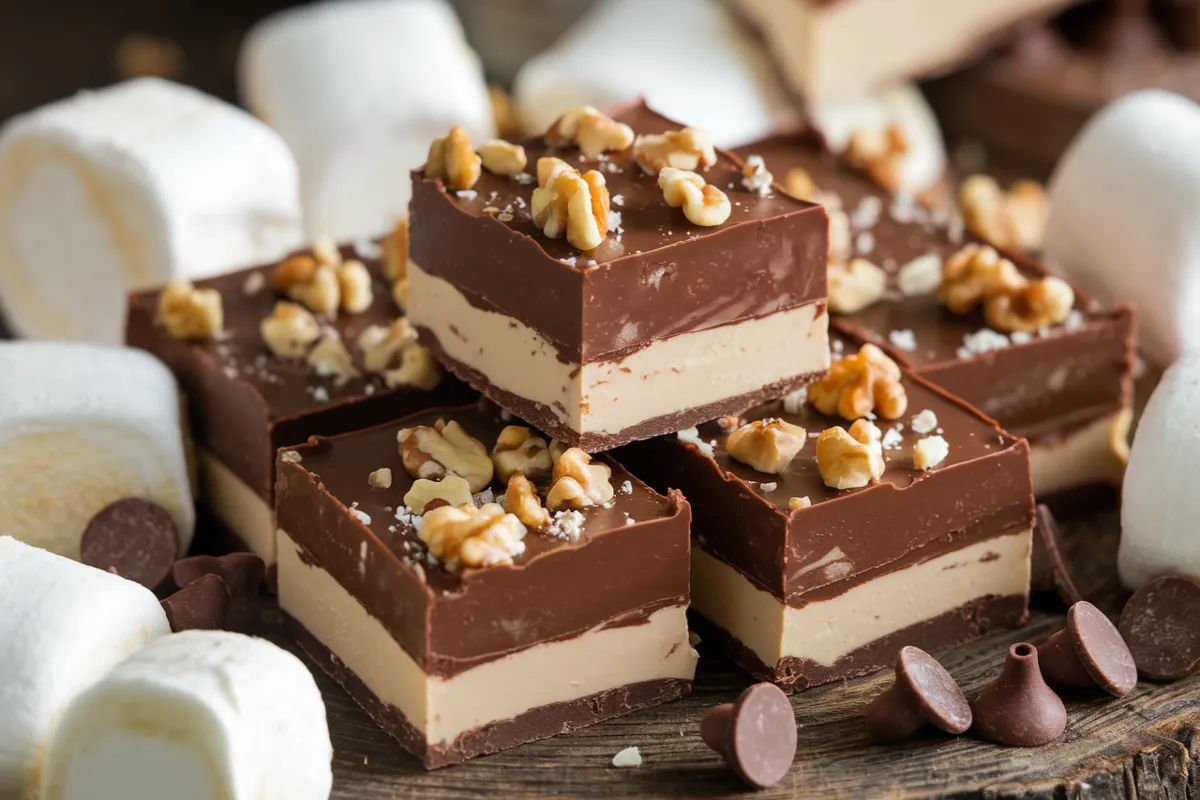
[359, 88]
[63, 626]
[197, 715]
[127, 188]
[83, 425]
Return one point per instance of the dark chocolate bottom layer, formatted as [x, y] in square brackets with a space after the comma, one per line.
[967, 622]
[537, 723]
[545, 419]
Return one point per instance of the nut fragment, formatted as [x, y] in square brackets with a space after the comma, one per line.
[354, 282]
[702, 204]
[929, 452]
[452, 159]
[800, 185]
[380, 478]
[977, 274]
[866, 382]
[578, 483]
[502, 158]
[795, 503]
[1040, 304]
[190, 313]
[922, 275]
[468, 537]
[594, 132]
[690, 148]
[566, 202]
[1014, 220]
[521, 499]
[289, 330]
[417, 368]
[850, 460]
[518, 451]
[395, 261]
[331, 358]
[307, 281]
[855, 286]
[445, 449]
[504, 112]
[767, 445]
[381, 346]
[450, 490]
[879, 152]
[755, 176]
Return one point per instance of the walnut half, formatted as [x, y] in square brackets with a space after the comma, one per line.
[519, 452]
[190, 313]
[855, 286]
[1014, 220]
[703, 204]
[452, 159]
[690, 148]
[850, 459]
[977, 274]
[593, 131]
[521, 499]
[570, 204]
[450, 490]
[767, 445]
[468, 537]
[445, 449]
[578, 483]
[866, 382]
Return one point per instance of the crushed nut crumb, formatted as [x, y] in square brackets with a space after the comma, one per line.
[929, 452]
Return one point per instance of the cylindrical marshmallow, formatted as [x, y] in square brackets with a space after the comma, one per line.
[195, 716]
[128, 188]
[1124, 206]
[63, 626]
[359, 89]
[81, 426]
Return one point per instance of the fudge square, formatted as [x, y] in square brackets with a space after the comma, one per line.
[1066, 386]
[660, 308]
[925, 543]
[271, 355]
[468, 623]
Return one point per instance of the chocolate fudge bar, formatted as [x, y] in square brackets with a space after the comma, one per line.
[662, 324]
[245, 400]
[804, 584]
[464, 646]
[1067, 388]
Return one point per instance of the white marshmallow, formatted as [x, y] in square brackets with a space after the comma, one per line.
[81, 426]
[1124, 212]
[128, 188]
[198, 715]
[688, 58]
[63, 626]
[359, 89]
[1159, 503]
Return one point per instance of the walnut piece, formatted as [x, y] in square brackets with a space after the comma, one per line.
[450, 490]
[800, 185]
[977, 274]
[190, 313]
[306, 280]
[795, 503]
[690, 148]
[380, 346]
[445, 449]
[452, 159]
[929, 452]
[331, 358]
[502, 158]
[570, 204]
[290, 330]
[855, 286]
[395, 261]
[866, 382]
[354, 283]
[380, 478]
[521, 499]
[755, 176]
[767, 445]
[578, 483]
[468, 537]
[417, 368]
[850, 460]
[702, 204]
[594, 132]
[505, 114]
[518, 451]
[840, 245]
[879, 152]
[1013, 220]
[1041, 303]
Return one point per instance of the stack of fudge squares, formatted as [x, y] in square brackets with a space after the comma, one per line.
[811, 410]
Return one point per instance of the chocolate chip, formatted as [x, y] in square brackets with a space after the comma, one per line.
[1161, 625]
[924, 694]
[242, 574]
[1089, 651]
[1048, 567]
[134, 538]
[201, 605]
[1018, 709]
[756, 734]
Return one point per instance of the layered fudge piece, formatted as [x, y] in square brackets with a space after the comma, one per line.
[473, 587]
[906, 280]
[271, 355]
[637, 284]
[822, 546]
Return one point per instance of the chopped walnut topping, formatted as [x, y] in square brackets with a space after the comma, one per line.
[855, 286]
[395, 261]
[929, 452]
[578, 483]
[799, 184]
[1014, 220]
[425, 495]
[755, 176]
[1040, 304]
[977, 274]
[922, 275]
[690, 148]
[325, 250]
[330, 357]
[380, 346]
[354, 282]
[521, 499]
[767, 445]
[594, 132]
[445, 449]
[866, 382]
[380, 478]
[504, 112]
[518, 451]
[468, 537]
[702, 204]
[925, 421]
[879, 151]
[310, 282]
[417, 368]
[190, 313]
[290, 330]
[566, 202]
[795, 503]
[502, 158]
[850, 460]
[452, 159]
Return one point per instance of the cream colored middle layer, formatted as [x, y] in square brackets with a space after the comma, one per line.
[828, 630]
[1096, 453]
[665, 377]
[238, 506]
[444, 708]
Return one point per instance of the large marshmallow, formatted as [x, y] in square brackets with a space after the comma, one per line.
[359, 89]
[200, 715]
[688, 58]
[62, 627]
[83, 425]
[1159, 503]
[128, 188]
[1125, 216]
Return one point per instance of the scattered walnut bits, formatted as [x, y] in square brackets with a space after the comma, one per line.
[855, 286]
[594, 132]
[355, 283]
[702, 203]
[866, 382]
[796, 503]
[445, 449]
[331, 358]
[840, 244]
[190, 313]
[380, 478]
[521, 499]
[1013, 220]
[467, 537]
[755, 176]
[767, 445]
[929, 452]
[690, 148]
[394, 354]
[879, 152]
[502, 158]
[425, 495]
[323, 282]
[519, 452]
[800, 185]
[395, 262]
[850, 460]
[290, 330]
[567, 203]
[578, 483]
[452, 159]
[977, 274]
